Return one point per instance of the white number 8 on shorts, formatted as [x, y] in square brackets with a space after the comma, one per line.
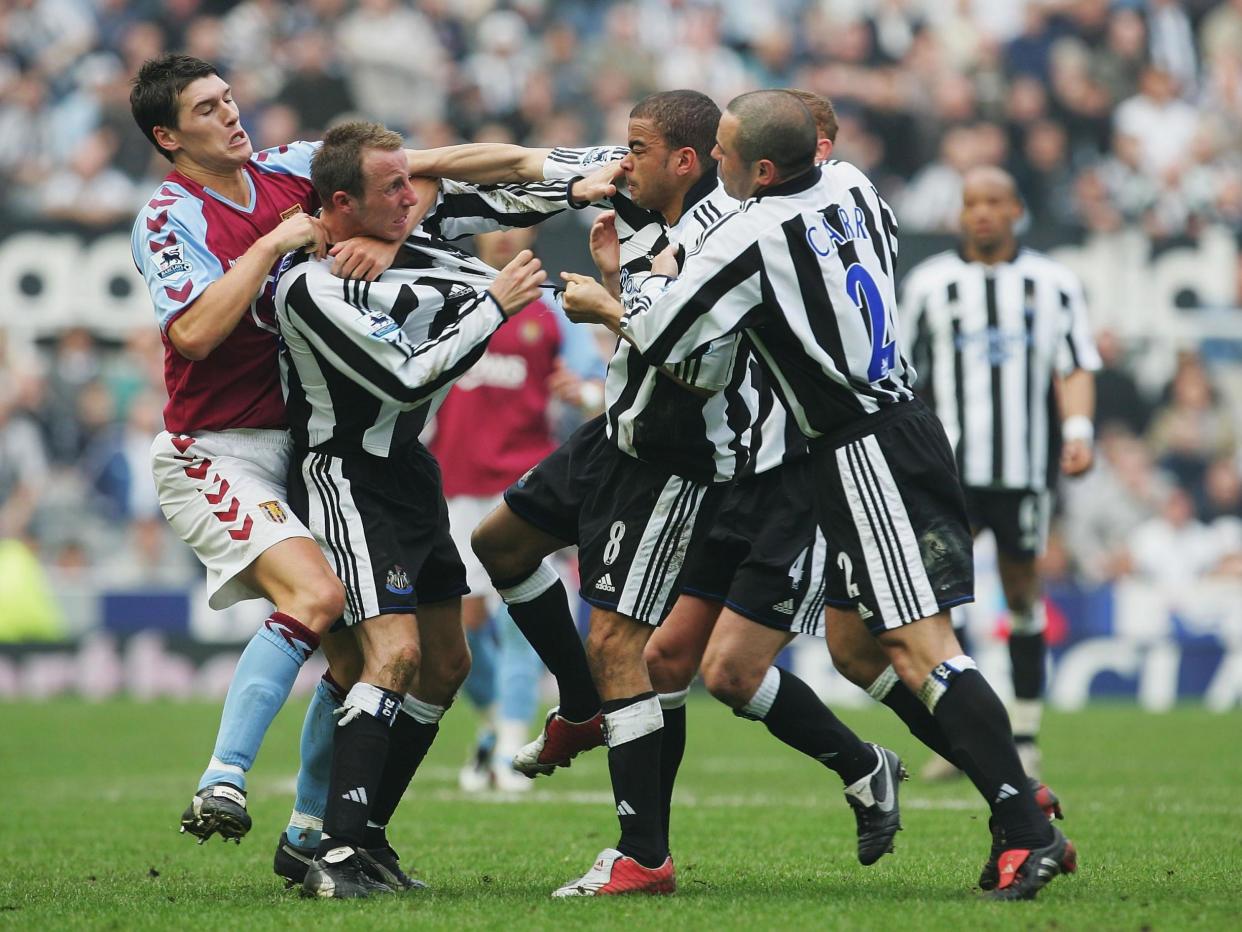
[612, 549]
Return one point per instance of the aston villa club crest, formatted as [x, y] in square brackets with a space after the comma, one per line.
[290, 211]
[398, 582]
[274, 512]
[530, 331]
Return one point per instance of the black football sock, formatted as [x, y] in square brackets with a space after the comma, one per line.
[794, 714]
[359, 752]
[672, 749]
[634, 728]
[540, 608]
[890, 690]
[977, 726]
[411, 737]
[1026, 657]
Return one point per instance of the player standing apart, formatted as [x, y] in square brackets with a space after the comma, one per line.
[805, 268]
[1004, 351]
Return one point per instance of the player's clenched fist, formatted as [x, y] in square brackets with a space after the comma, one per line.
[518, 282]
[588, 302]
[297, 232]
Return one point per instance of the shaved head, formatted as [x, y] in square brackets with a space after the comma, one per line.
[991, 208]
[777, 126]
[990, 178]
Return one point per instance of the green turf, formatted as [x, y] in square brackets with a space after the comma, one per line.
[91, 795]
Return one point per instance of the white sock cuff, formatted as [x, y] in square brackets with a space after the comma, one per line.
[217, 764]
[368, 699]
[1025, 716]
[1032, 622]
[675, 700]
[761, 702]
[425, 713]
[883, 684]
[942, 677]
[633, 722]
[533, 586]
[302, 820]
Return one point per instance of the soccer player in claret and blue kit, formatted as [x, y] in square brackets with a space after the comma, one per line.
[207, 243]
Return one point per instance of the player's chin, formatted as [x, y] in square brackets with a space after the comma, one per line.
[241, 152]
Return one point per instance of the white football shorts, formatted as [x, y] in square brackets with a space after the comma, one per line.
[466, 512]
[223, 492]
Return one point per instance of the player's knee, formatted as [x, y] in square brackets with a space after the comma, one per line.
[731, 681]
[322, 599]
[669, 670]
[500, 554]
[344, 658]
[845, 665]
[614, 644]
[452, 669]
[399, 665]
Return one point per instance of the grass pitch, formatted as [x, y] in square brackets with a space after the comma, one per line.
[762, 837]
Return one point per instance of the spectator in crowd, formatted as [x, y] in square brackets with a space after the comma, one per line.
[23, 464]
[1192, 427]
[1163, 123]
[1222, 490]
[1103, 510]
[1118, 400]
[1174, 549]
[89, 190]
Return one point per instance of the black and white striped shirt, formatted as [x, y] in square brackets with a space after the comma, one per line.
[988, 341]
[806, 270]
[650, 416]
[366, 364]
[774, 437]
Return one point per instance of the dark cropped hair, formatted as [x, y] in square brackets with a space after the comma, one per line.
[156, 88]
[684, 119]
[777, 126]
[337, 166]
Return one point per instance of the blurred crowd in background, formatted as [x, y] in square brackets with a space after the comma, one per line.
[1111, 115]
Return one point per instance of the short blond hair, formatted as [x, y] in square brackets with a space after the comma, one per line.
[337, 166]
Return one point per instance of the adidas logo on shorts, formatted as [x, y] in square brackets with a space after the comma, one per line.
[605, 583]
[785, 608]
[863, 612]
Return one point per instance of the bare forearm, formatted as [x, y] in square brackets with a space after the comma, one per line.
[480, 163]
[214, 314]
[1077, 395]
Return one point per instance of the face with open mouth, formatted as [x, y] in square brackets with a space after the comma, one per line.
[209, 126]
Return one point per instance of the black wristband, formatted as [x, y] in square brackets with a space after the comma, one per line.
[569, 194]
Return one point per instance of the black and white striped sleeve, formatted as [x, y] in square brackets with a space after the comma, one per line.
[370, 348]
[916, 324]
[1076, 349]
[465, 209]
[567, 162]
[719, 291]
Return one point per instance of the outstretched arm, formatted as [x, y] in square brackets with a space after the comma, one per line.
[481, 162]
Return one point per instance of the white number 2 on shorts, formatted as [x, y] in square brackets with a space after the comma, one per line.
[847, 567]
